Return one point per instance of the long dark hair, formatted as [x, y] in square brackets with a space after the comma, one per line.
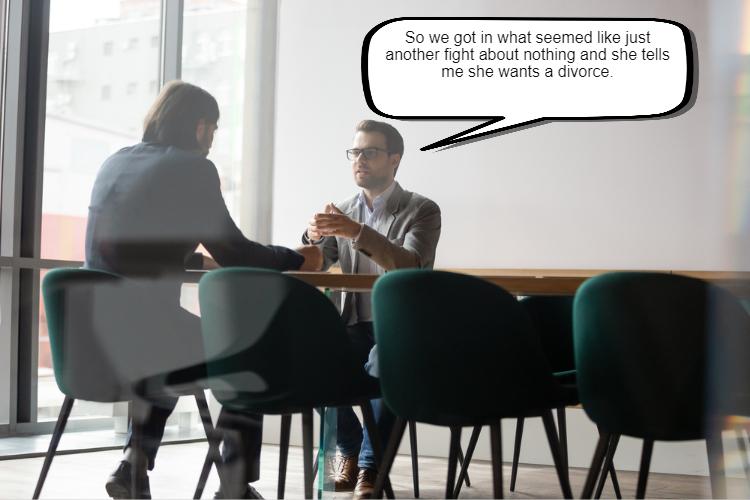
[173, 117]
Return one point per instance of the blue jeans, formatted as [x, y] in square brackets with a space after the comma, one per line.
[351, 439]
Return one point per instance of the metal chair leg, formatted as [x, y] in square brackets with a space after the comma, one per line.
[414, 456]
[208, 427]
[371, 427]
[562, 431]
[397, 433]
[307, 451]
[715, 449]
[62, 420]
[554, 446]
[286, 429]
[452, 462]
[516, 452]
[496, 449]
[609, 457]
[461, 461]
[469, 453]
[648, 448]
[615, 483]
[596, 465]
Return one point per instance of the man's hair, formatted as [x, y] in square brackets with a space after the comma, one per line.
[173, 118]
[393, 140]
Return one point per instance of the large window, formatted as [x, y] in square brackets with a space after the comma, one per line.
[214, 44]
[74, 98]
[102, 71]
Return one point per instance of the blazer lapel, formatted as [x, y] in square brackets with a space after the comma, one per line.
[392, 208]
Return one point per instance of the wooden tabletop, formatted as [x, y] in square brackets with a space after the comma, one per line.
[522, 281]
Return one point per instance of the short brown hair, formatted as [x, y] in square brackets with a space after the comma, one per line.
[173, 117]
[393, 140]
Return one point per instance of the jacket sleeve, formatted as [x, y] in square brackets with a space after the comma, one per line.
[418, 248]
[224, 240]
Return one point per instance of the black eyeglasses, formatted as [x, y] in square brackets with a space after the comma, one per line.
[369, 153]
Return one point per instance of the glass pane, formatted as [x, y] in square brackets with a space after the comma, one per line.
[102, 77]
[5, 363]
[213, 57]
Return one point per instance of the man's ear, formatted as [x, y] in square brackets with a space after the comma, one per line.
[395, 160]
[200, 129]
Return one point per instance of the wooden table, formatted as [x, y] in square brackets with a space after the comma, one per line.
[522, 281]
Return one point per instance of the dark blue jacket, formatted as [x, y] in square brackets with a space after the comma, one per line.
[152, 205]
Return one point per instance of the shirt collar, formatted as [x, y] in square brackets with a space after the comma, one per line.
[380, 200]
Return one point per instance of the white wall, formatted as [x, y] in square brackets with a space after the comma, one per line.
[628, 194]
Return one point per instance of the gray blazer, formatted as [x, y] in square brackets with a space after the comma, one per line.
[406, 238]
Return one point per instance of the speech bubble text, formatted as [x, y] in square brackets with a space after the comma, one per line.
[514, 72]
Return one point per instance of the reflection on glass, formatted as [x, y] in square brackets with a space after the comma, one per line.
[102, 69]
[213, 57]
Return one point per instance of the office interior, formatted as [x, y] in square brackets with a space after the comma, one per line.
[78, 76]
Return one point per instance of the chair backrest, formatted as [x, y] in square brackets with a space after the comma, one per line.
[455, 348]
[272, 341]
[77, 303]
[552, 317]
[642, 343]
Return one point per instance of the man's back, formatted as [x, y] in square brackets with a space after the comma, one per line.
[146, 205]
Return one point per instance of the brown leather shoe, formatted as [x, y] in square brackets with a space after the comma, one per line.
[365, 484]
[345, 473]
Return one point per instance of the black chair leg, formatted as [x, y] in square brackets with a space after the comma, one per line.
[307, 451]
[516, 452]
[286, 429]
[397, 433]
[377, 449]
[461, 463]
[715, 449]
[562, 431]
[554, 446]
[469, 453]
[208, 427]
[496, 450]
[648, 448]
[615, 482]
[62, 420]
[596, 465]
[452, 461]
[414, 456]
[609, 458]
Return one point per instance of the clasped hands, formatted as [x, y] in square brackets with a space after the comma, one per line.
[332, 222]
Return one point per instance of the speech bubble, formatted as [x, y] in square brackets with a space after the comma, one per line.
[516, 72]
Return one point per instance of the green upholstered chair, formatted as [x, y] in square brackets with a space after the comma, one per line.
[276, 345]
[94, 354]
[552, 318]
[642, 343]
[457, 351]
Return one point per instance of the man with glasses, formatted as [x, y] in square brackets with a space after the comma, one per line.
[383, 227]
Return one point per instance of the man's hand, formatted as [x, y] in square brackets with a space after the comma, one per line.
[313, 258]
[334, 223]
